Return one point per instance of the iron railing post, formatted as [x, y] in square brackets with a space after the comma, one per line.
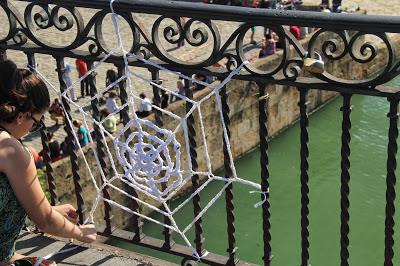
[304, 177]
[70, 140]
[345, 179]
[393, 116]
[264, 163]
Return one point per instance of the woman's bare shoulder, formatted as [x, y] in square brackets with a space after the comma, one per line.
[11, 150]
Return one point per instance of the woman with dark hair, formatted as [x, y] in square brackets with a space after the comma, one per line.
[24, 99]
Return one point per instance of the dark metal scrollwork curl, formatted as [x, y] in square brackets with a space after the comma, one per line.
[283, 36]
[332, 48]
[94, 46]
[12, 22]
[292, 68]
[48, 17]
[197, 37]
[20, 38]
[366, 52]
[42, 18]
[175, 33]
[145, 51]
[338, 47]
[134, 46]
[64, 22]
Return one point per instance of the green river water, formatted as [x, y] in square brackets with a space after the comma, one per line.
[367, 194]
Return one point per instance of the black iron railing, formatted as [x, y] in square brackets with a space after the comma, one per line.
[89, 43]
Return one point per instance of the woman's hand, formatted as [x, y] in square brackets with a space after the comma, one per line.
[88, 233]
[68, 211]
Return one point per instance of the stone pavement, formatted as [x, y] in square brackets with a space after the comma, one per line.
[31, 244]
[186, 53]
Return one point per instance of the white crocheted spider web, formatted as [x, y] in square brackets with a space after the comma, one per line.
[147, 158]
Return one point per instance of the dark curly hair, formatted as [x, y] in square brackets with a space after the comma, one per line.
[20, 91]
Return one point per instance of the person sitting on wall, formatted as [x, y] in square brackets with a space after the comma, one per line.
[82, 134]
[111, 102]
[56, 112]
[144, 107]
[36, 158]
[268, 46]
[109, 124]
[196, 86]
[55, 151]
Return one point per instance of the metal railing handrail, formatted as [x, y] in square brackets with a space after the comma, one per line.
[243, 14]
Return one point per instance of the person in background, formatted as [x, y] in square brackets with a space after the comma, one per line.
[268, 46]
[68, 82]
[144, 107]
[180, 85]
[24, 99]
[82, 69]
[252, 33]
[109, 124]
[82, 134]
[295, 30]
[111, 77]
[36, 158]
[55, 151]
[165, 99]
[65, 147]
[197, 86]
[56, 112]
[111, 102]
[337, 6]
[325, 8]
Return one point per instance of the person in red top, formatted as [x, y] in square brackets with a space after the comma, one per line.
[295, 30]
[82, 69]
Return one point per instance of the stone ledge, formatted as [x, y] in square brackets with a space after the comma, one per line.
[98, 253]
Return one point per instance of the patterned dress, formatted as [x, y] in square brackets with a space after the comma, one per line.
[12, 219]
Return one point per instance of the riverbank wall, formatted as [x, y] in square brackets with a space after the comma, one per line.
[243, 102]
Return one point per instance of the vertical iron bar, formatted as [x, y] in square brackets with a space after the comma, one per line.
[264, 163]
[3, 55]
[125, 120]
[345, 179]
[100, 145]
[391, 180]
[155, 76]
[304, 177]
[229, 189]
[199, 240]
[45, 143]
[70, 140]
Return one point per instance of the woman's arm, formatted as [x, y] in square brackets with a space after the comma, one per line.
[16, 164]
